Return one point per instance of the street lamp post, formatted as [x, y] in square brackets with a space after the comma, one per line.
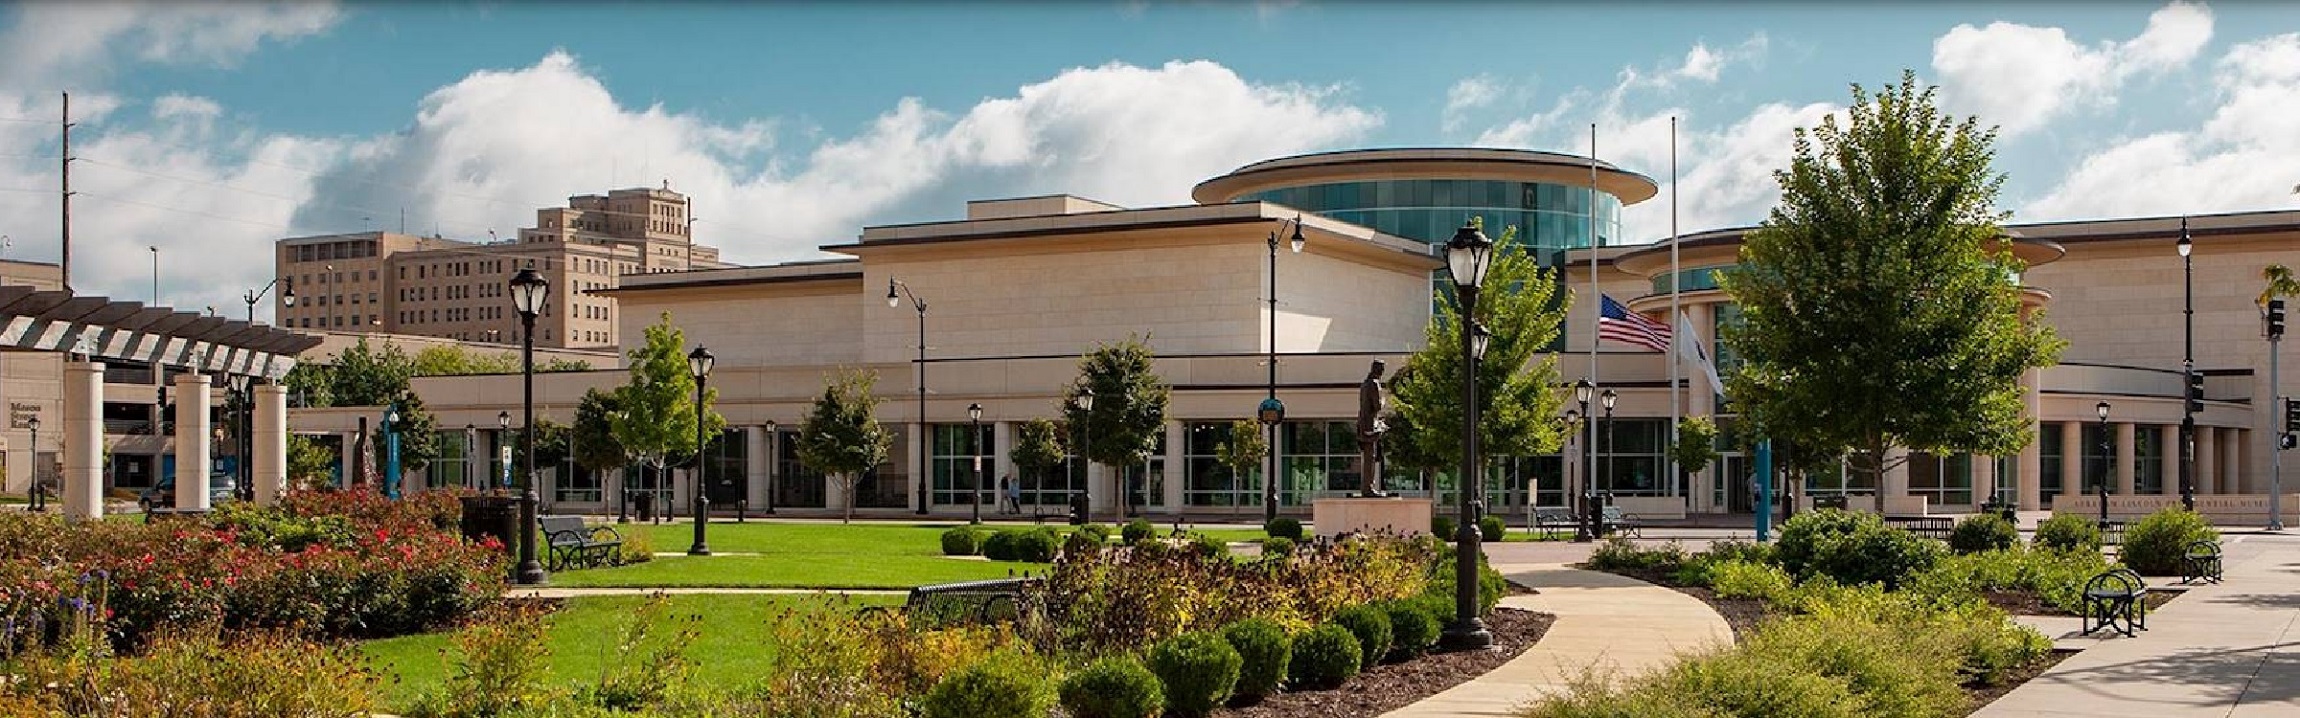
[1583, 391]
[1467, 258]
[918, 305]
[528, 292]
[1605, 400]
[471, 478]
[2107, 453]
[1272, 412]
[774, 465]
[2192, 386]
[39, 492]
[241, 444]
[1082, 503]
[699, 364]
[974, 441]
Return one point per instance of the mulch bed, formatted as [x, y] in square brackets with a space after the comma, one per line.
[1741, 614]
[1984, 695]
[2030, 603]
[1388, 687]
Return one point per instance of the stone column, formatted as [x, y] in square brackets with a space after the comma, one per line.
[269, 468]
[1177, 443]
[2125, 445]
[2207, 460]
[2072, 478]
[758, 466]
[192, 429]
[83, 443]
[1896, 480]
[1002, 467]
[1984, 481]
[2030, 484]
[2169, 472]
[2232, 466]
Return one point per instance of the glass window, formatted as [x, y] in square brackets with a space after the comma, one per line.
[1941, 479]
[796, 485]
[1206, 481]
[2048, 480]
[2098, 443]
[1319, 458]
[2148, 459]
[1629, 461]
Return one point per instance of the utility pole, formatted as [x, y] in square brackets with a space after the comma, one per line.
[66, 164]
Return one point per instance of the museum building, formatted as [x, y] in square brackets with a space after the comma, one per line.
[994, 310]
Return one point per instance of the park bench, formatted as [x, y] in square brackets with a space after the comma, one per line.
[2115, 600]
[970, 602]
[1932, 527]
[2200, 562]
[1612, 521]
[1551, 519]
[571, 544]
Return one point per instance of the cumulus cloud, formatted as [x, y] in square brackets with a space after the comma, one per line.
[2021, 76]
[67, 40]
[2238, 158]
[1470, 93]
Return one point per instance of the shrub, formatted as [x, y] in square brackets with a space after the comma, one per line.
[190, 669]
[1737, 550]
[1443, 527]
[1198, 671]
[2068, 532]
[1852, 548]
[1983, 532]
[1412, 628]
[1209, 546]
[962, 541]
[1491, 528]
[637, 547]
[1115, 687]
[1490, 583]
[1621, 554]
[2154, 546]
[1277, 546]
[1127, 600]
[1324, 658]
[1003, 545]
[1004, 685]
[1098, 532]
[1371, 624]
[2057, 577]
[1137, 531]
[1036, 545]
[1742, 579]
[1082, 542]
[1283, 527]
[502, 664]
[1263, 649]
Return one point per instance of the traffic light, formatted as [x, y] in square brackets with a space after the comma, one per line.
[2275, 318]
[2195, 391]
[2288, 441]
[2291, 415]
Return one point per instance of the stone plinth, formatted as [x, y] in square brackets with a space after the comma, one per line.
[2224, 509]
[1334, 517]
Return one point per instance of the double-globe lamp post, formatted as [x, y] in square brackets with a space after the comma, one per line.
[1583, 390]
[974, 418]
[2107, 460]
[1596, 499]
[1468, 256]
[528, 291]
[699, 364]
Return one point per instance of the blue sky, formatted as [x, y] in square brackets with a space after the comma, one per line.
[225, 126]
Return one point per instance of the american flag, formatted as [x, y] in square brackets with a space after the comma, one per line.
[1617, 323]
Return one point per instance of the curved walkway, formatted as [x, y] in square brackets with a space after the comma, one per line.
[1604, 621]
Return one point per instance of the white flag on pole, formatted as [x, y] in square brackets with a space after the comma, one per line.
[1690, 345]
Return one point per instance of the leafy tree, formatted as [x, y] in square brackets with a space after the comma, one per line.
[841, 437]
[1243, 450]
[658, 419]
[452, 360]
[1129, 404]
[552, 442]
[1517, 406]
[595, 447]
[2278, 282]
[1038, 448]
[311, 464]
[556, 364]
[366, 376]
[1877, 311]
[418, 431]
[1696, 445]
[310, 384]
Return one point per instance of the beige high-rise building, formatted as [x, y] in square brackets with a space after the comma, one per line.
[396, 283]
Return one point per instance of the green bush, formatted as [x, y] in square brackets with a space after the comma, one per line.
[1036, 545]
[1137, 531]
[1412, 628]
[2154, 546]
[1324, 657]
[1283, 527]
[1490, 583]
[1114, 687]
[1003, 544]
[1098, 532]
[1198, 671]
[1618, 554]
[1492, 528]
[1277, 546]
[962, 541]
[1737, 550]
[1443, 527]
[2057, 577]
[1263, 649]
[2068, 532]
[1371, 624]
[1004, 685]
[1983, 532]
[1209, 546]
[1852, 548]
[1742, 579]
[1081, 542]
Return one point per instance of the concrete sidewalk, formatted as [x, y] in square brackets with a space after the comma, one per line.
[1604, 621]
[2231, 649]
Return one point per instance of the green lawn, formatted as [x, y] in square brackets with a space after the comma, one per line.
[797, 555]
[582, 635]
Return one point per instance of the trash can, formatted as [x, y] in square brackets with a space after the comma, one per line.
[644, 505]
[491, 517]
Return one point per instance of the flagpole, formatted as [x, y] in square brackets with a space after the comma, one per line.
[1676, 477]
[1596, 318]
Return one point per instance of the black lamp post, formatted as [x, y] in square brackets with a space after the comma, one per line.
[2192, 385]
[1583, 391]
[699, 364]
[471, 477]
[2107, 459]
[287, 295]
[974, 442]
[774, 465]
[528, 291]
[1272, 412]
[1571, 423]
[1467, 258]
[1605, 400]
[241, 446]
[39, 491]
[1083, 503]
[919, 305]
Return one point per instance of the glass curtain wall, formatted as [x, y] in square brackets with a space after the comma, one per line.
[1941, 479]
[1209, 483]
[726, 467]
[2099, 446]
[796, 486]
[957, 449]
[888, 485]
[2049, 482]
[2148, 459]
[1629, 456]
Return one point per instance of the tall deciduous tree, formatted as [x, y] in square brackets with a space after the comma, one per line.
[842, 437]
[366, 376]
[1121, 429]
[1517, 404]
[595, 446]
[1038, 448]
[2277, 281]
[418, 432]
[1880, 308]
[658, 420]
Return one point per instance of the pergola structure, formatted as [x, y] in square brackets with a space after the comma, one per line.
[92, 330]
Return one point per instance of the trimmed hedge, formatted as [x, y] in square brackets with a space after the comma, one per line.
[1137, 531]
[1283, 527]
[1004, 685]
[1324, 657]
[1491, 528]
[1198, 671]
[1412, 628]
[1443, 527]
[962, 541]
[1263, 650]
[1983, 532]
[1114, 687]
[2068, 532]
[1372, 627]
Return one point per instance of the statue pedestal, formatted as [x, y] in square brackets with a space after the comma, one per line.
[1397, 515]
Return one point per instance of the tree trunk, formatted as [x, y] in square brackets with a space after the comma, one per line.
[847, 512]
[1876, 453]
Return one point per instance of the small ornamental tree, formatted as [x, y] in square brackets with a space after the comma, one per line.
[1696, 445]
[841, 437]
[1243, 450]
[2277, 281]
[311, 464]
[1519, 306]
[1037, 449]
[418, 432]
[658, 419]
[1121, 430]
[595, 446]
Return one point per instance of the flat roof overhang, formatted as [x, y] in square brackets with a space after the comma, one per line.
[39, 320]
[1470, 163]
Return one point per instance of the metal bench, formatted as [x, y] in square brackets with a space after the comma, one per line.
[970, 602]
[1552, 519]
[571, 544]
[2200, 562]
[2115, 600]
[1612, 521]
[1932, 527]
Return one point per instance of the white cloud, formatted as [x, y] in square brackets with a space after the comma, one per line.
[64, 41]
[2239, 158]
[1471, 93]
[2021, 76]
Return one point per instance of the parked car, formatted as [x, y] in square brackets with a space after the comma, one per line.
[221, 488]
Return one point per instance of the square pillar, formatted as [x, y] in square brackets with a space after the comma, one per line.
[2125, 446]
[2232, 466]
[2072, 478]
[2170, 473]
[269, 467]
[1984, 478]
[1177, 442]
[83, 443]
[1002, 467]
[2029, 486]
[192, 429]
[758, 466]
[2207, 460]
[1895, 483]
